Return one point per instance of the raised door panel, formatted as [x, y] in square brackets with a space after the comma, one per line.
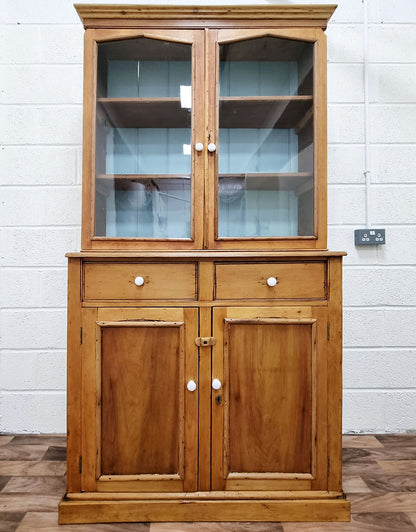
[145, 419]
[140, 433]
[265, 414]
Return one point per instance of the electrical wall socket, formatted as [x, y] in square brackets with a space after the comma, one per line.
[370, 237]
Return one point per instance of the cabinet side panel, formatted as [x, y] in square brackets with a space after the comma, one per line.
[140, 400]
[74, 376]
[335, 375]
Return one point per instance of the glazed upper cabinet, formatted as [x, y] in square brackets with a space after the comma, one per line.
[205, 138]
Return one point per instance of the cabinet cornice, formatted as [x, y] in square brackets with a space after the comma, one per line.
[299, 15]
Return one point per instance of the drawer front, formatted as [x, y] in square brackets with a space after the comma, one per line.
[138, 281]
[300, 280]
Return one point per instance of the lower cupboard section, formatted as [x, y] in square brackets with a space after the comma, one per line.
[319, 506]
[213, 410]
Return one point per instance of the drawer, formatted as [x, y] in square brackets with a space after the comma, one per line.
[300, 280]
[114, 280]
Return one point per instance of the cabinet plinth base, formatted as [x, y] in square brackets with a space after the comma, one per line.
[183, 509]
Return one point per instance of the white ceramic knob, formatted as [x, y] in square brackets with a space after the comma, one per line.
[272, 281]
[191, 386]
[139, 281]
[199, 146]
[216, 384]
[211, 147]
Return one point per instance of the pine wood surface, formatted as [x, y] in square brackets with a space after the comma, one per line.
[141, 433]
[91, 14]
[161, 281]
[249, 281]
[32, 483]
[74, 374]
[203, 254]
[259, 384]
[121, 386]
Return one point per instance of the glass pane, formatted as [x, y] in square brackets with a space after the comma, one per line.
[143, 139]
[265, 157]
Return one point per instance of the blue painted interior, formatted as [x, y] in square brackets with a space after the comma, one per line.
[148, 211]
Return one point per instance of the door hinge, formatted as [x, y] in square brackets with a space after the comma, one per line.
[80, 464]
[328, 331]
[80, 336]
[205, 341]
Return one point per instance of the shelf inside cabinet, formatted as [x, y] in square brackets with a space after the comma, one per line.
[268, 112]
[107, 182]
[144, 112]
[298, 181]
[141, 177]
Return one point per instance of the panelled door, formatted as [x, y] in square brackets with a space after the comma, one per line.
[269, 399]
[136, 434]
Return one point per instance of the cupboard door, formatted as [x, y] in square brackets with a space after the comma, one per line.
[269, 120]
[146, 418]
[147, 177]
[266, 415]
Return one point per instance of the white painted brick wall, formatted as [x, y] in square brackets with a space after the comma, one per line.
[40, 164]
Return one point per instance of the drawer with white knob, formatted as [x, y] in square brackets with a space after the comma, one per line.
[139, 281]
[271, 280]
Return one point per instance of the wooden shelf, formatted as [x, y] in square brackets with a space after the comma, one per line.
[282, 112]
[141, 177]
[144, 112]
[275, 181]
[105, 183]
[269, 174]
[260, 181]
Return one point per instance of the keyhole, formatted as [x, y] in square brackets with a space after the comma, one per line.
[218, 399]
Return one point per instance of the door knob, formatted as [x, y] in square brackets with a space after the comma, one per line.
[199, 146]
[216, 384]
[191, 386]
[272, 281]
[139, 281]
[211, 147]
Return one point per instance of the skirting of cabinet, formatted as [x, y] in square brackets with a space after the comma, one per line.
[84, 510]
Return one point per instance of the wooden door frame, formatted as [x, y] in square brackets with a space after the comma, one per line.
[93, 321]
[92, 38]
[317, 480]
[319, 239]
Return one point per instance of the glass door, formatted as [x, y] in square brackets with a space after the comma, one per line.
[146, 111]
[265, 165]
